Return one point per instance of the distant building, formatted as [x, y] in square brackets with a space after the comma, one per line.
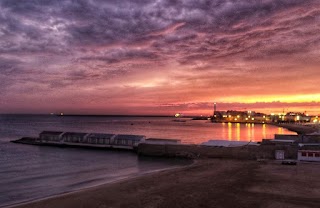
[98, 138]
[311, 138]
[309, 155]
[125, 140]
[240, 116]
[51, 136]
[74, 137]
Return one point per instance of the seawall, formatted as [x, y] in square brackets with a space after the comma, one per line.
[200, 151]
[300, 129]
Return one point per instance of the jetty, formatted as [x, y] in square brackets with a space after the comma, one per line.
[84, 140]
[287, 146]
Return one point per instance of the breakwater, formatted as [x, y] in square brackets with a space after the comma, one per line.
[299, 128]
[246, 152]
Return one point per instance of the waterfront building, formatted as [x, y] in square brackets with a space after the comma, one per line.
[74, 137]
[98, 138]
[125, 140]
[309, 155]
[227, 143]
[240, 117]
[311, 138]
[51, 136]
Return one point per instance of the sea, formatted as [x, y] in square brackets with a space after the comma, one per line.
[29, 173]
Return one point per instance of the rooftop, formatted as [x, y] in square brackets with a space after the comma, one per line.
[52, 132]
[74, 134]
[129, 137]
[100, 135]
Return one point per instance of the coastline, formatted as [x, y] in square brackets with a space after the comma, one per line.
[89, 188]
[204, 183]
[299, 129]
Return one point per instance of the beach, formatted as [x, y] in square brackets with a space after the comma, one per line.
[205, 183]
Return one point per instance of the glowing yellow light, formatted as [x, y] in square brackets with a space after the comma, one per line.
[238, 116]
[229, 116]
[246, 119]
[298, 118]
[235, 119]
[252, 119]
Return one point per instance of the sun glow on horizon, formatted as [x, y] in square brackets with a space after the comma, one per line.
[274, 98]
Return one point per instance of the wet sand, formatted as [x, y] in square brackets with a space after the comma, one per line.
[206, 183]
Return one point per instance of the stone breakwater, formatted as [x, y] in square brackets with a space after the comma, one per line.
[300, 129]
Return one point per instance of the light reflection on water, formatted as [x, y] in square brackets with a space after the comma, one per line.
[246, 132]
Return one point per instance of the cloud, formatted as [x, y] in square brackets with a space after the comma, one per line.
[201, 48]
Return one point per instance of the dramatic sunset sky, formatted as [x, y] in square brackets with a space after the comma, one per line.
[159, 56]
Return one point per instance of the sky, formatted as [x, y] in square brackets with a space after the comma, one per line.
[159, 57]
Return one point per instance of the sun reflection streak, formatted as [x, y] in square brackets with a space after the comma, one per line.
[238, 131]
[264, 131]
[229, 131]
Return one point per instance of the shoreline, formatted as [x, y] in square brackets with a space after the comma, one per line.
[299, 129]
[119, 180]
[204, 183]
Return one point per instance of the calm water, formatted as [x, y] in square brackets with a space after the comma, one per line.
[33, 172]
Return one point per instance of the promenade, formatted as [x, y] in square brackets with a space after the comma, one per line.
[299, 128]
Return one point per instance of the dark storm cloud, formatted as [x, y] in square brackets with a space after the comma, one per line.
[10, 67]
[40, 25]
[115, 56]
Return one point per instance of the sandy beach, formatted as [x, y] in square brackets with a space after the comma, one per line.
[206, 183]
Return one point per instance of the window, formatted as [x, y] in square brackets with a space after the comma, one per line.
[303, 154]
[310, 154]
[317, 154]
